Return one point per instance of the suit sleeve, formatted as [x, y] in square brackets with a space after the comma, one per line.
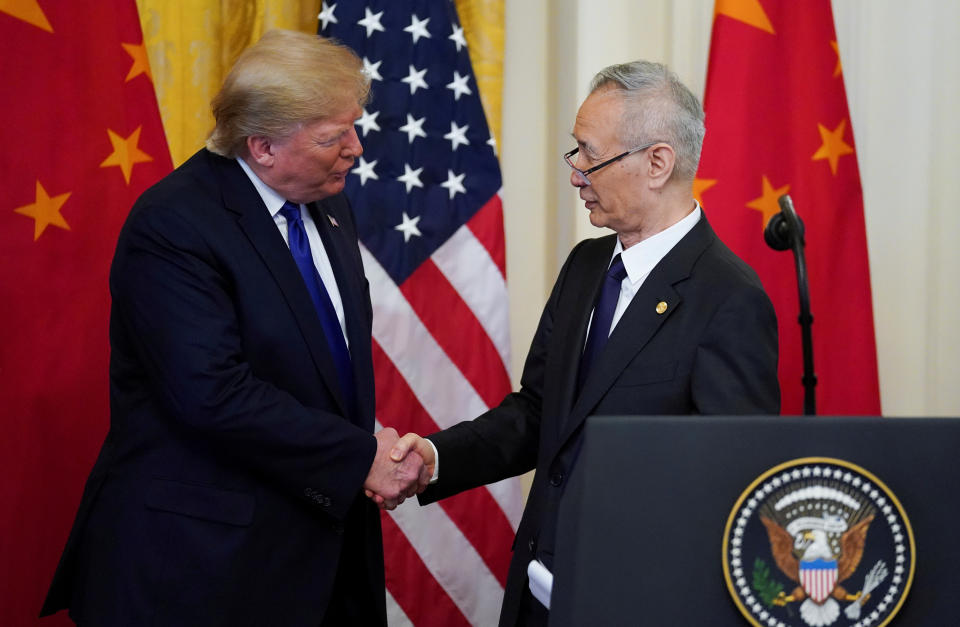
[173, 301]
[504, 441]
[735, 367]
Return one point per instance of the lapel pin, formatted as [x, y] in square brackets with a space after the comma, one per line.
[333, 220]
[661, 307]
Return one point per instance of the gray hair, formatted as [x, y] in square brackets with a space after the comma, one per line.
[658, 107]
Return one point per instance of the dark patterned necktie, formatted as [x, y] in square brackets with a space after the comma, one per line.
[602, 317]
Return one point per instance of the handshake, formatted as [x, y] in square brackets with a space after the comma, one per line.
[401, 468]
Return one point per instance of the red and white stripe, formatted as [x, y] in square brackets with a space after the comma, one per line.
[818, 583]
[441, 354]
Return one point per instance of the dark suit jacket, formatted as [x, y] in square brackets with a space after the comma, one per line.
[713, 351]
[229, 487]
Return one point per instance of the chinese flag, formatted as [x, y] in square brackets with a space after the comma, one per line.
[777, 122]
[82, 138]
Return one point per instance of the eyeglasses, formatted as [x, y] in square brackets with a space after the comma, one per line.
[583, 174]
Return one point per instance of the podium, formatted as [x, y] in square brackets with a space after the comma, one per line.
[662, 521]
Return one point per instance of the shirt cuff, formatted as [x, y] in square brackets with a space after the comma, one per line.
[436, 462]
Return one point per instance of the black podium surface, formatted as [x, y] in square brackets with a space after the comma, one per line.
[641, 538]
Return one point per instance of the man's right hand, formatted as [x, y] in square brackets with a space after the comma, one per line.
[396, 474]
[416, 444]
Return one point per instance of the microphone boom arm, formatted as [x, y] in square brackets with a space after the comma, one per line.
[785, 230]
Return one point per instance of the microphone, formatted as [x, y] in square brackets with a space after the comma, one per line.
[783, 227]
[785, 231]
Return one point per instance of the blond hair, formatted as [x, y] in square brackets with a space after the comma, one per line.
[284, 80]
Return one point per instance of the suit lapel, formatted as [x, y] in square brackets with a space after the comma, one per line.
[242, 198]
[572, 319]
[640, 322]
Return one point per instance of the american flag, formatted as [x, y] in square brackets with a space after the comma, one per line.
[430, 221]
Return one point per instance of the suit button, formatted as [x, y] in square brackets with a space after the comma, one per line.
[531, 545]
[556, 479]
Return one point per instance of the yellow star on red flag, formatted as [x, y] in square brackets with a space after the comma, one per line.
[45, 211]
[838, 70]
[141, 63]
[125, 154]
[700, 186]
[833, 146]
[767, 202]
[27, 10]
[749, 12]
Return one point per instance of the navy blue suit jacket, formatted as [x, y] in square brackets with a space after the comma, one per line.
[229, 488]
[713, 350]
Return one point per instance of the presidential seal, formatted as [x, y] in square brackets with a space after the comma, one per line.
[815, 542]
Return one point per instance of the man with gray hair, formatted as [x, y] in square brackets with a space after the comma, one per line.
[229, 490]
[658, 318]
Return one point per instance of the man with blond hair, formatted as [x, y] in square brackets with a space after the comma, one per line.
[229, 488]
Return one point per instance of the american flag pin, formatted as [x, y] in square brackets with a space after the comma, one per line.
[333, 220]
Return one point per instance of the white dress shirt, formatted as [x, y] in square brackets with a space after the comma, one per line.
[321, 261]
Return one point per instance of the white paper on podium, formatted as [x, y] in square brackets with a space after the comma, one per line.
[541, 582]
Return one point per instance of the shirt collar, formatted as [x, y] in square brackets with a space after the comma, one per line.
[643, 256]
[271, 199]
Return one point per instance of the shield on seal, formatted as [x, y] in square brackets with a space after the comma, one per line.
[818, 578]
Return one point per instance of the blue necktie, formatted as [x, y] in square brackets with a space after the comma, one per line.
[602, 317]
[300, 249]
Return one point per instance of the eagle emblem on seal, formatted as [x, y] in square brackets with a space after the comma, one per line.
[818, 542]
[817, 535]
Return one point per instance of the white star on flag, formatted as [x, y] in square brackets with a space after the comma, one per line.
[454, 183]
[459, 85]
[408, 227]
[457, 37]
[413, 128]
[417, 28]
[365, 171]
[492, 142]
[372, 69]
[411, 178]
[457, 135]
[326, 14]
[368, 122]
[415, 79]
[371, 22]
